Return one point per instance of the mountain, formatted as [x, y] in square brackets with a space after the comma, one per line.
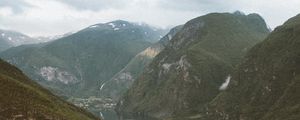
[10, 39]
[78, 64]
[265, 86]
[43, 39]
[187, 74]
[22, 98]
[121, 82]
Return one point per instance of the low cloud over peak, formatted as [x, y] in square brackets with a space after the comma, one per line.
[17, 6]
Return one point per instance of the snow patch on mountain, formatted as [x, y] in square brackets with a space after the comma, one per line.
[93, 26]
[115, 29]
[43, 39]
[15, 39]
[112, 25]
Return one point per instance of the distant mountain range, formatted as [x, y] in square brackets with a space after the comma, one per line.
[78, 64]
[43, 39]
[10, 39]
[219, 66]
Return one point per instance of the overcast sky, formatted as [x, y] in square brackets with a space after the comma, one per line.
[51, 17]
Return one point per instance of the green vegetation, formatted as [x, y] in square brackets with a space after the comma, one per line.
[187, 74]
[219, 66]
[265, 86]
[122, 81]
[77, 65]
[22, 98]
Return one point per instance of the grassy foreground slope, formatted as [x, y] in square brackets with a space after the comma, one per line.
[21, 98]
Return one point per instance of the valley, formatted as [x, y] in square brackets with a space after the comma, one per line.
[176, 64]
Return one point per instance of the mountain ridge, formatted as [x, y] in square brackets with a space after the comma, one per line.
[120, 82]
[195, 63]
[265, 85]
[10, 39]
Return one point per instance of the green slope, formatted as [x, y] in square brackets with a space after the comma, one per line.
[188, 72]
[266, 84]
[21, 98]
[122, 81]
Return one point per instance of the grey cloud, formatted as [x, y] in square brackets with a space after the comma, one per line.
[156, 12]
[187, 5]
[94, 5]
[17, 6]
[194, 5]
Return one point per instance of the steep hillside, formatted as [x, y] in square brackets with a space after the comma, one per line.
[187, 74]
[21, 98]
[121, 82]
[266, 86]
[77, 65]
[10, 39]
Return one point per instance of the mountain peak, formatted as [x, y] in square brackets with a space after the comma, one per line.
[115, 25]
[119, 22]
[10, 38]
[294, 20]
[267, 92]
[238, 12]
[206, 45]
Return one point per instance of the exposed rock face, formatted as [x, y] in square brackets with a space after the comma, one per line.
[122, 81]
[188, 73]
[56, 74]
